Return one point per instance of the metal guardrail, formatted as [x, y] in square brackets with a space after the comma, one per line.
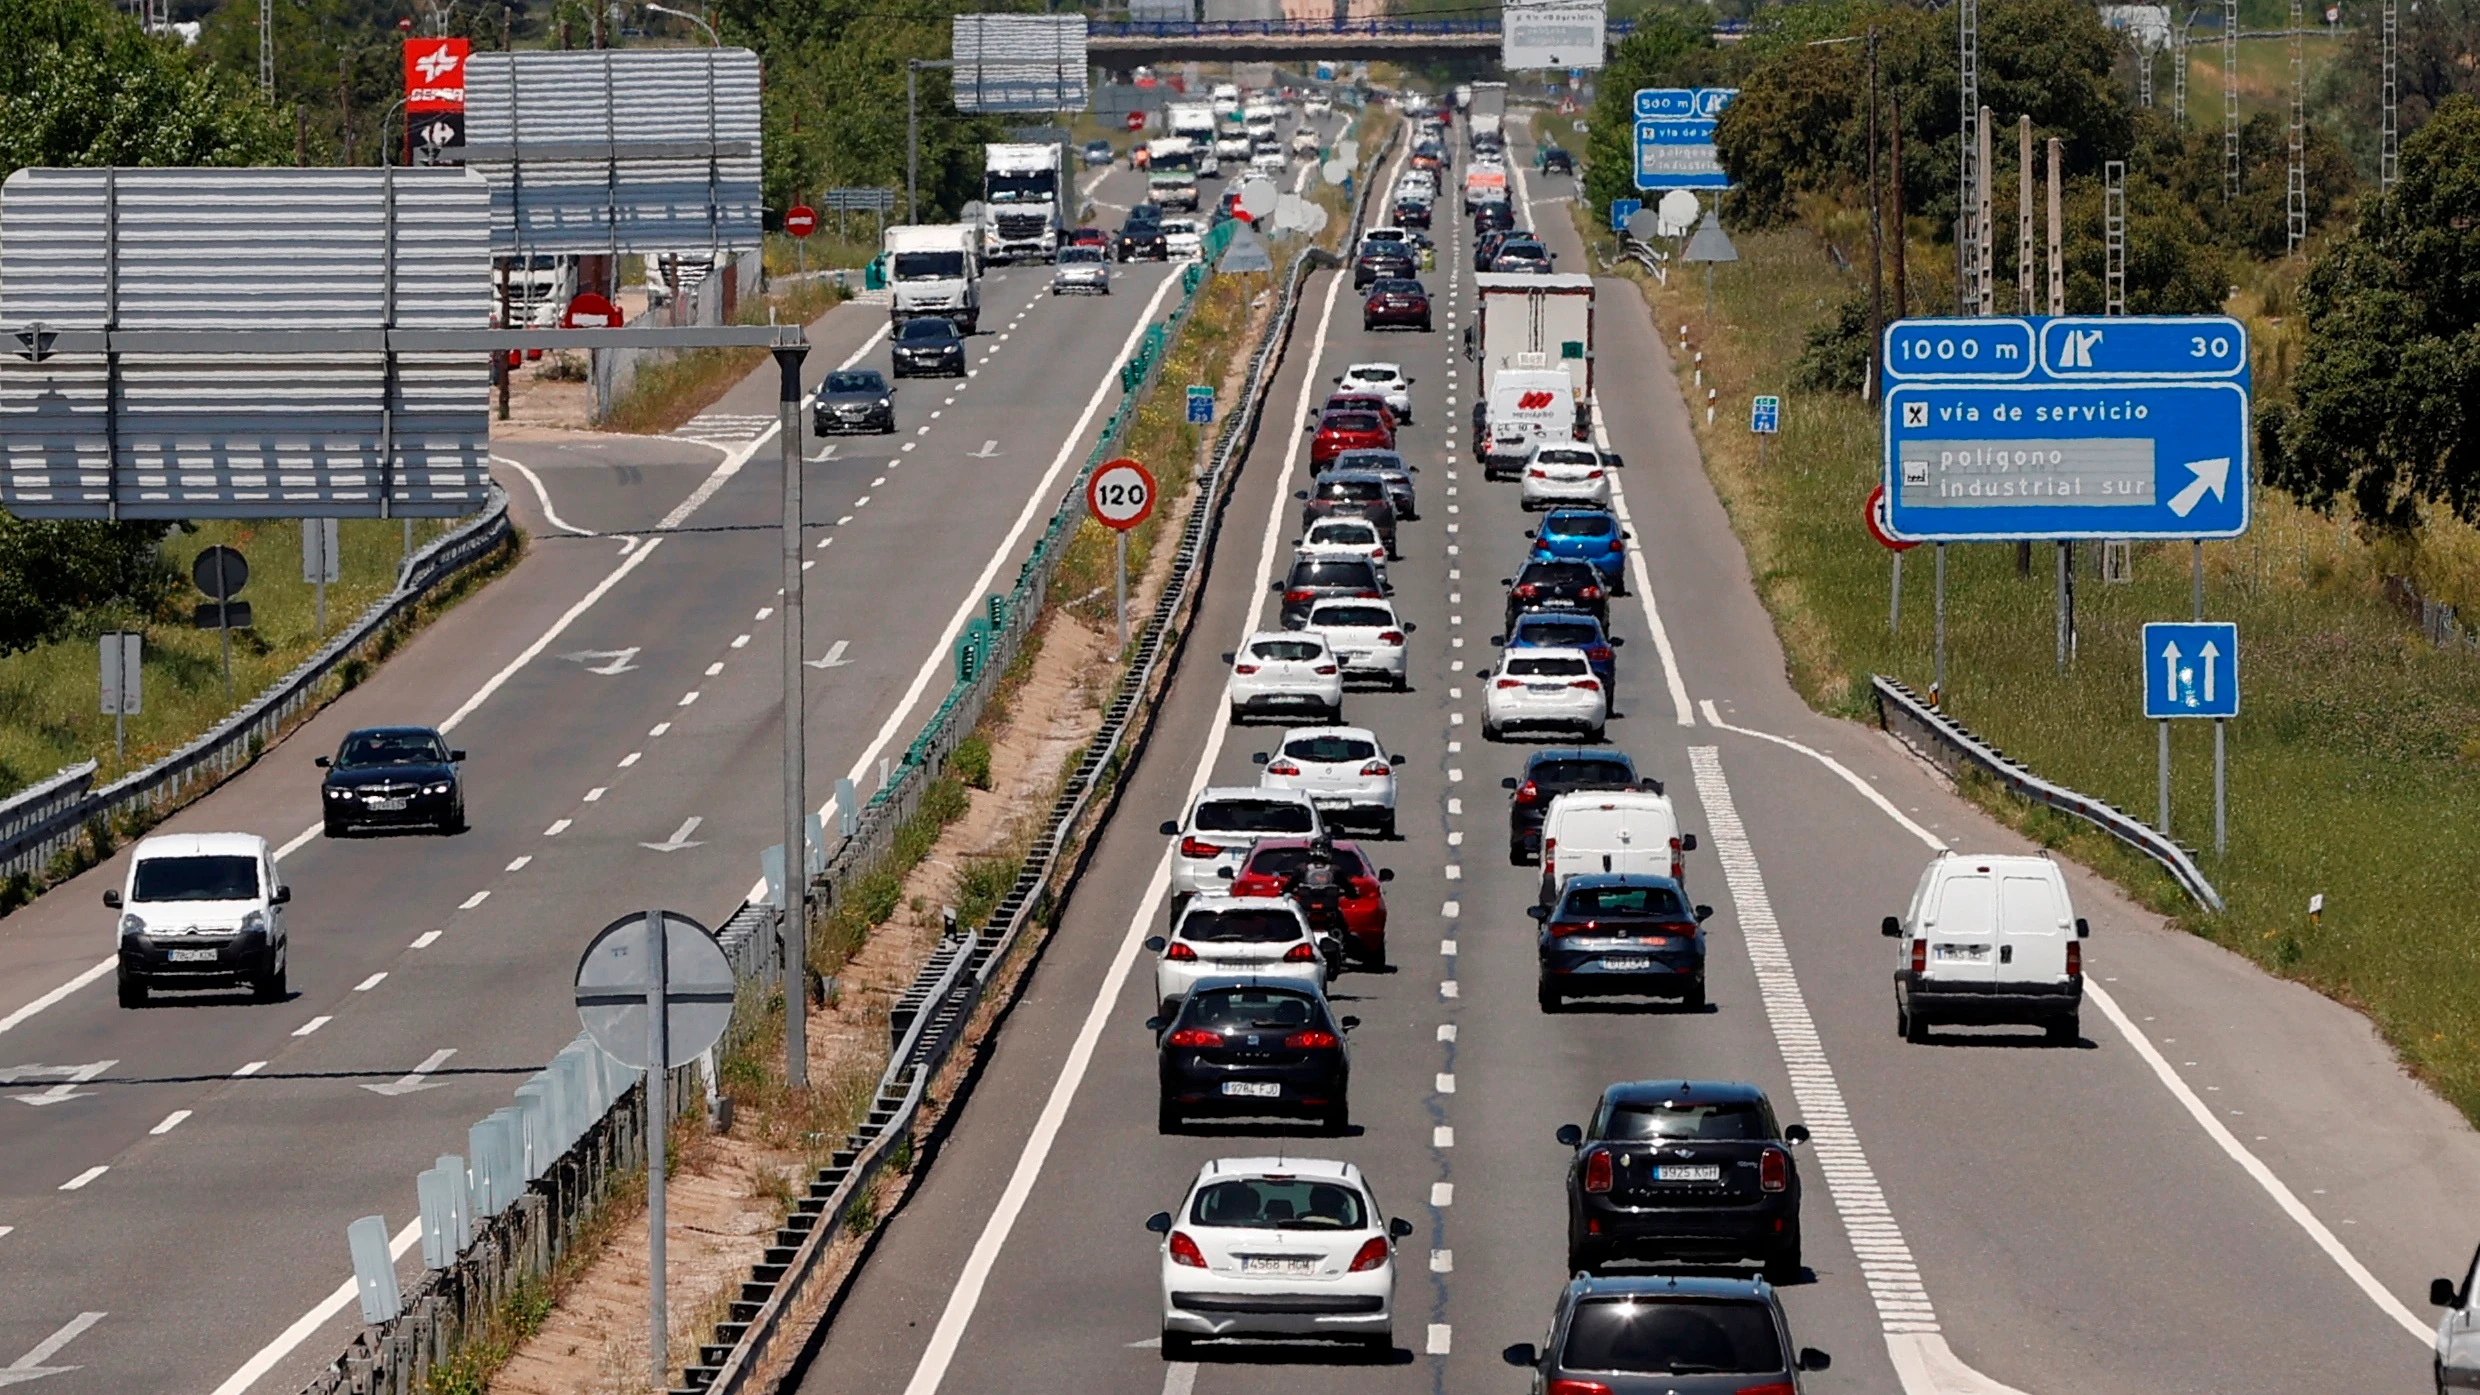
[1952, 746]
[38, 823]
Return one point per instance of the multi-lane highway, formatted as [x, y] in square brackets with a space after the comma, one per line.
[618, 696]
[2226, 1185]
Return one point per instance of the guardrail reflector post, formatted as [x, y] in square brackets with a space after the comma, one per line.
[374, 1273]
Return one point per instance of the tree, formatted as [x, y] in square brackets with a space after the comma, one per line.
[2436, 42]
[1670, 48]
[2386, 397]
[81, 84]
[51, 570]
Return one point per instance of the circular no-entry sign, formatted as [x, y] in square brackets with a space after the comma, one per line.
[222, 572]
[590, 311]
[1878, 526]
[1120, 495]
[800, 220]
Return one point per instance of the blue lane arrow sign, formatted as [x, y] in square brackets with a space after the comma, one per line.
[2191, 670]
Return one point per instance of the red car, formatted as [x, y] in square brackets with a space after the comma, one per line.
[1338, 432]
[1273, 861]
[1089, 237]
[1397, 303]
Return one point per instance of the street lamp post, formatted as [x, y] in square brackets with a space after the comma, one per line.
[711, 38]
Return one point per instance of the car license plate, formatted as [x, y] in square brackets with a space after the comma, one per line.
[388, 806]
[1970, 953]
[1688, 1172]
[1276, 1264]
[1627, 963]
[193, 956]
[1544, 687]
[1252, 1089]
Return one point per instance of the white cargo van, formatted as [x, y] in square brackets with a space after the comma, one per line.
[201, 910]
[1989, 939]
[1630, 832]
[1526, 406]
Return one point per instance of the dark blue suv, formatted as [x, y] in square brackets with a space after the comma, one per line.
[1621, 933]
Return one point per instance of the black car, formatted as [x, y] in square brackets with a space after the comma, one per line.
[1314, 579]
[1684, 1169]
[1555, 160]
[1572, 586]
[1387, 466]
[392, 777]
[1253, 1048]
[1413, 213]
[1397, 301]
[928, 348]
[1522, 258]
[1381, 259]
[855, 399]
[1141, 236]
[1668, 1335]
[1490, 217]
[1486, 244]
[1549, 774]
[1351, 494]
[1623, 933]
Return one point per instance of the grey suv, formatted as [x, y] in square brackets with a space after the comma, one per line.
[1666, 1336]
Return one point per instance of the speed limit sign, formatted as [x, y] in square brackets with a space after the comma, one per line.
[1120, 495]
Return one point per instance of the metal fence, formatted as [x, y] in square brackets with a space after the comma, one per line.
[39, 823]
[1951, 746]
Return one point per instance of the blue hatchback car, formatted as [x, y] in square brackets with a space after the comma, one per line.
[1584, 535]
[1554, 629]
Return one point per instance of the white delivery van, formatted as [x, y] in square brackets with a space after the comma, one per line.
[201, 910]
[1526, 406]
[1989, 938]
[1632, 832]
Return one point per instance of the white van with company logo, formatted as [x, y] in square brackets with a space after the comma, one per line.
[201, 910]
[1621, 832]
[1989, 939]
[1526, 406]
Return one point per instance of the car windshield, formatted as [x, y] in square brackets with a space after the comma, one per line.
[929, 266]
[1622, 902]
[1240, 1009]
[1396, 287]
[1715, 1119]
[1179, 227]
[216, 878]
[1343, 534]
[1298, 651]
[1557, 574]
[1329, 747]
[391, 748]
[1580, 525]
[1350, 421]
[1581, 774]
[926, 331]
[1349, 617]
[1071, 255]
[856, 382]
[1558, 634]
[1676, 1337]
[1273, 925]
[1332, 571]
[1373, 377]
[1364, 489]
[1559, 667]
[1279, 1203]
[1253, 816]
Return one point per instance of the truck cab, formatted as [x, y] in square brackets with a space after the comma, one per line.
[1022, 216]
[934, 269]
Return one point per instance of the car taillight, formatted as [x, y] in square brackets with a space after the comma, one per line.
[1301, 954]
[1537, 474]
[1773, 1169]
[1390, 636]
[1368, 595]
[1592, 474]
[1374, 1252]
[1920, 956]
[1282, 767]
[1244, 668]
[1528, 590]
[1771, 1387]
[1179, 952]
[1509, 683]
[1590, 593]
[1549, 848]
[1678, 862]
[1568, 1385]
[1561, 928]
[1599, 653]
[1527, 792]
[1295, 596]
[1196, 1036]
[1588, 684]
[1185, 1251]
[1198, 847]
[2075, 960]
[1325, 669]
[1597, 1171]
[1379, 767]
[1310, 1040]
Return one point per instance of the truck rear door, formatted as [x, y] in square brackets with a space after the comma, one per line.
[2032, 927]
[1963, 931]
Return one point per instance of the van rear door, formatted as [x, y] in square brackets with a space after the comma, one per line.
[1963, 928]
[2033, 926]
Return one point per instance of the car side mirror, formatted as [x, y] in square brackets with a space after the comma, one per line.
[2083, 928]
[1347, 1022]
[456, 755]
[1170, 828]
[1274, 585]
[1703, 914]
[1795, 1133]
[1522, 1355]
[1617, 642]
[2441, 1294]
[112, 899]
[1654, 785]
[1300, 494]
[1386, 874]
[1400, 1228]
[1229, 656]
[1506, 782]
[1411, 628]
[1891, 928]
[284, 896]
[1812, 1359]
[1395, 759]
[1159, 1223]
[1156, 1024]
[1225, 873]
[322, 762]
[1570, 1136]
[1687, 842]
[1528, 532]
[1156, 943]
[1537, 912]
[1506, 581]
[1258, 759]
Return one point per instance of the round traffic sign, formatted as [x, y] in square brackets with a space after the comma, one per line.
[1335, 171]
[800, 220]
[1644, 225]
[612, 986]
[1120, 495]
[591, 311]
[1258, 197]
[1880, 527]
[1136, 121]
[1679, 210]
[220, 572]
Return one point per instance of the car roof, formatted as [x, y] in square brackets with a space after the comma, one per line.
[1339, 602]
[1336, 476]
[1263, 635]
[391, 731]
[1580, 511]
[1593, 880]
[1295, 840]
[1270, 983]
[1656, 1091]
[1395, 368]
[1219, 794]
[1225, 901]
[1580, 753]
[1553, 617]
[202, 845]
[1554, 651]
[1295, 1167]
[2002, 862]
[1669, 1286]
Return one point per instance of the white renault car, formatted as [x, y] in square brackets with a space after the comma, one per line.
[1181, 239]
[1285, 671]
[1344, 537]
[1540, 688]
[1343, 770]
[1385, 379]
[1566, 472]
[1208, 846]
[1277, 1247]
[1214, 935]
[1367, 638]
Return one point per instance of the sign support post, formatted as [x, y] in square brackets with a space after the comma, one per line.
[658, 1127]
[2163, 821]
[1119, 496]
[1937, 685]
[1894, 599]
[2221, 791]
[1119, 584]
[796, 756]
[2192, 670]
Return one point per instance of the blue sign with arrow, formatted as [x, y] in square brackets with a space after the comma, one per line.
[1200, 404]
[2191, 670]
[2003, 429]
[1621, 210]
[1675, 137]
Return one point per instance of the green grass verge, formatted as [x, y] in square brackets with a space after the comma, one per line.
[669, 391]
[2354, 771]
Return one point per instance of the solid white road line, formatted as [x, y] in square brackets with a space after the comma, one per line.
[267, 1356]
[59, 993]
[967, 1295]
[173, 1120]
[1850, 777]
[543, 496]
[1644, 586]
[79, 1182]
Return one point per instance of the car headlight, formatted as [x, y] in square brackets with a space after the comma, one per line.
[338, 792]
[440, 788]
[132, 925]
[883, 402]
[255, 923]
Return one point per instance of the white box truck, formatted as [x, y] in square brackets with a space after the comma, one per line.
[1536, 332]
[1195, 122]
[1485, 119]
[1022, 215]
[934, 269]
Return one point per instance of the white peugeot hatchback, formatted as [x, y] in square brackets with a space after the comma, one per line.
[1277, 1247]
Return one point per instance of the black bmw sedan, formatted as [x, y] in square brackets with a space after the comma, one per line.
[392, 777]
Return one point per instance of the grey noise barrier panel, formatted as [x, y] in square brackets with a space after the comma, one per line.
[1952, 747]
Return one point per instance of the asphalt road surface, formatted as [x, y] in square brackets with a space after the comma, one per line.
[180, 1216]
[2226, 1185]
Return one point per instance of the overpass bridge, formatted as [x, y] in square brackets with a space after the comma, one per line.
[1277, 40]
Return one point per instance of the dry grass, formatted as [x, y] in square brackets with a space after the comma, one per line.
[669, 391]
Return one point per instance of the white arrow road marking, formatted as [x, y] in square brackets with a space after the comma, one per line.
[614, 660]
[2209, 654]
[2170, 667]
[835, 656]
[989, 451]
[679, 838]
[66, 1090]
[2211, 474]
[31, 1367]
[413, 1080]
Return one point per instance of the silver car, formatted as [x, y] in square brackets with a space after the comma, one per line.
[1086, 270]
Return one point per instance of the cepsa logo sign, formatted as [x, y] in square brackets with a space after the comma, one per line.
[435, 74]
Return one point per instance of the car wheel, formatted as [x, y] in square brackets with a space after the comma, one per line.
[1516, 855]
[1375, 960]
[1584, 1258]
[1235, 716]
[1490, 732]
[1179, 1346]
[1166, 1120]
[1915, 1027]
[132, 989]
[1403, 683]
[1593, 733]
[456, 821]
[2067, 1031]
[269, 987]
[1379, 1343]
[1784, 1266]
[1425, 326]
[1386, 825]
[1694, 999]
[335, 828]
[1550, 999]
[1338, 1120]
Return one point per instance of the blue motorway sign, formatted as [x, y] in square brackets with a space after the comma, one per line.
[1765, 415]
[1999, 429]
[1200, 404]
[1621, 210]
[1675, 137]
[2191, 670]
